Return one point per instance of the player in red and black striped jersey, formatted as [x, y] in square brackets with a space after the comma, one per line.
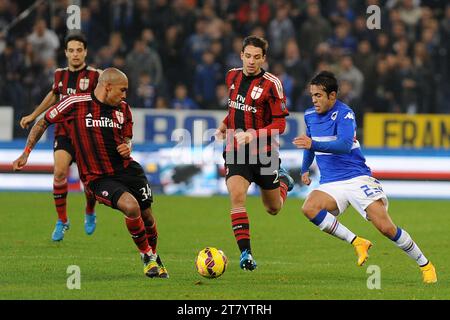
[100, 127]
[256, 115]
[77, 77]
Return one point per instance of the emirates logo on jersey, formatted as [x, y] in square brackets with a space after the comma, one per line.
[119, 116]
[256, 92]
[84, 84]
[103, 122]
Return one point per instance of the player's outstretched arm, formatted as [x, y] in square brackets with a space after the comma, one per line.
[35, 134]
[49, 100]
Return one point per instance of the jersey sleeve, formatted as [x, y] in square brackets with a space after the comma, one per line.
[346, 127]
[308, 155]
[277, 100]
[61, 111]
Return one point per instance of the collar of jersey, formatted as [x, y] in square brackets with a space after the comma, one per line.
[255, 76]
[84, 68]
[101, 103]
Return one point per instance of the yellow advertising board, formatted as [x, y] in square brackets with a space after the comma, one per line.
[386, 130]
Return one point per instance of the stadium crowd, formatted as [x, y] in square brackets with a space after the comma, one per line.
[176, 52]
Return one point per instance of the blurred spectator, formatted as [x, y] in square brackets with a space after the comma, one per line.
[146, 92]
[386, 84]
[198, 42]
[315, 29]
[222, 97]
[342, 42]
[408, 82]
[383, 46]
[233, 59]
[281, 29]
[181, 101]
[286, 80]
[143, 60]
[218, 52]
[12, 90]
[116, 44]
[342, 13]
[122, 19]
[173, 61]
[347, 95]
[95, 32]
[366, 60]
[44, 42]
[104, 57]
[348, 71]
[43, 81]
[5, 19]
[410, 13]
[214, 25]
[361, 32]
[299, 69]
[161, 103]
[161, 17]
[256, 8]
[208, 75]
[148, 36]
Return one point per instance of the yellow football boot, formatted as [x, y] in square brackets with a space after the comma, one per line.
[362, 247]
[429, 273]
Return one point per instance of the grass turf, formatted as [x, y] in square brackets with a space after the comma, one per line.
[295, 259]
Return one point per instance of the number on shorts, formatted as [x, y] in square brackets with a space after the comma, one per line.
[146, 192]
[371, 191]
[277, 178]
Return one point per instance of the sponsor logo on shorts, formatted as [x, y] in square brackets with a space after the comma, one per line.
[105, 193]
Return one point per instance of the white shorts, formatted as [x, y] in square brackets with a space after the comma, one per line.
[358, 192]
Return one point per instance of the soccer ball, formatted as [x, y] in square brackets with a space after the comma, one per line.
[211, 262]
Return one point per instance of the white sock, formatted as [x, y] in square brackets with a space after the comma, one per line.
[328, 223]
[407, 244]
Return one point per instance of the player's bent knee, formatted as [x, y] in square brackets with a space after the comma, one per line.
[129, 206]
[59, 176]
[238, 199]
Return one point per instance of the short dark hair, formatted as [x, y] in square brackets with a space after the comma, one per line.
[256, 42]
[327, 80]
[77, 37]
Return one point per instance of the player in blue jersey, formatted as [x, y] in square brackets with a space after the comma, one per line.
[345, 178]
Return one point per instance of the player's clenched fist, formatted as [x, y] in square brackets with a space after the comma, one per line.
[303, 142]
[124, 150]
[25, 121]
[20, 162]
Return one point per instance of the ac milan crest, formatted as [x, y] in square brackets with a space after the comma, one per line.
[256, 92]
[84, 84]
[119, 116]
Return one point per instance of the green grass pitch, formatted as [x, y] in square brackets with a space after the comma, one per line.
[295, 259]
